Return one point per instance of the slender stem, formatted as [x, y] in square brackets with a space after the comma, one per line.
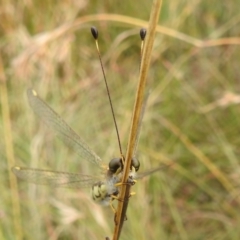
[156, 6]
[16, 212]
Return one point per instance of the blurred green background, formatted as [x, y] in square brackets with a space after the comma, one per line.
[191, 120]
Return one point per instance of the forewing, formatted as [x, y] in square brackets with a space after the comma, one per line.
[63, 131]
[54, 178]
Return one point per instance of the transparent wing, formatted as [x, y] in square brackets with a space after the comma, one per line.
[63, 131]
[141, 175]
[54, 178]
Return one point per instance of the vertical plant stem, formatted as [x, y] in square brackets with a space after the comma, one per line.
[120, 214]
[16, 215]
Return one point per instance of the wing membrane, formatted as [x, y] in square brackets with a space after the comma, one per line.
[61, 128]
[151, 171]
[54, 178]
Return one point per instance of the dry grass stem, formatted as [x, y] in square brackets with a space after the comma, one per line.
[145, 63]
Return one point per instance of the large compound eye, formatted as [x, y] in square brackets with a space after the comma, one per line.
[115, 165]
[135, 164]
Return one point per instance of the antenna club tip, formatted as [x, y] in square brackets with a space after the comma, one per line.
[143, 33]
[94, 32]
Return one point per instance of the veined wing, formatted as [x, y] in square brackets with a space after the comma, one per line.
[63, 131]
[54, 178]
[141, 175]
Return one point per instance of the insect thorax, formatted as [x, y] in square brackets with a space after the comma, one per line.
[102, 192]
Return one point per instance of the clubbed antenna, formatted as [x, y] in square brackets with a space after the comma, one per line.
[143, 33]
[94, 32]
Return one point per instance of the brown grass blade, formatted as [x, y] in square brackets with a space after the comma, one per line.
[125, 189]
